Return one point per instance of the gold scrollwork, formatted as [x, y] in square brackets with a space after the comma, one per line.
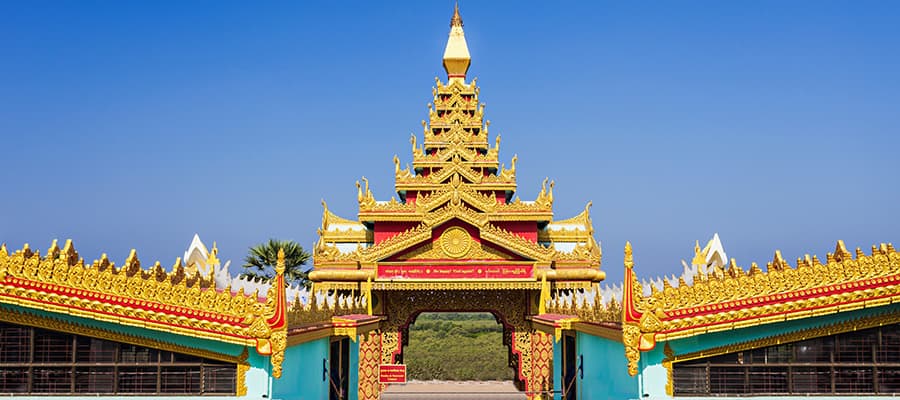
[667, 364]
[154, 299]
[241, 384]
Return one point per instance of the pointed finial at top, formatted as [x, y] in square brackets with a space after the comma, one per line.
[279, 264]
[629, 258]
[456, 20]
[213, 258]
[456, 54]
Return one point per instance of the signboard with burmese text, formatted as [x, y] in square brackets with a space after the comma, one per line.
[392, 373]
[455, 271]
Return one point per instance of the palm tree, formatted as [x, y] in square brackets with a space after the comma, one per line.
[261, 259]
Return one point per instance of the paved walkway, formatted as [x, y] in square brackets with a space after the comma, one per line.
[453, 390]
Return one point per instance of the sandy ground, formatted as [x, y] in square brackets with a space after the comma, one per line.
[491, 390]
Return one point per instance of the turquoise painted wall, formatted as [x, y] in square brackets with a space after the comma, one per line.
[259, 379]
[557, 370]
[354, 370]
[653, 377]
[605, 370]
[301, 377]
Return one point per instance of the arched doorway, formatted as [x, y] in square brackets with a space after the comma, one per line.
[530, 351]
[455, 347]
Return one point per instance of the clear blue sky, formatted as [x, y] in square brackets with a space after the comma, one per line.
[136, 124]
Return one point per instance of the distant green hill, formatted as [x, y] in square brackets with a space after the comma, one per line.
[457, 347]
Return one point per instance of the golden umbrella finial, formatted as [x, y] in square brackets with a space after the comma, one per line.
[456, 54]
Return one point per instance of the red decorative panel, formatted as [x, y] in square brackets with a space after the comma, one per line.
[525, 229]
[455, 271]
[369, 361]
[386, 230]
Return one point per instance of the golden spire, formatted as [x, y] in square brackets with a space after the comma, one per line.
[456, 20]
[456, 55]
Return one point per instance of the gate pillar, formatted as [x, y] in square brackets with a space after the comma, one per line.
[534, 352]
[376, 348]
[369, 361]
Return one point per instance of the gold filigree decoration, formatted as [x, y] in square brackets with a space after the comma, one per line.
[732, 299]
[780, 290]
[455, 242]
[174, 302]
[631, 336]
[316, 311]
[517, 243]
[241, 384]
[598, 311]
[403, 305]
[278, 340]
[533, 352]
[390, 346]
[477, 251]
[587, 252]
[522, 352]
[667, 364]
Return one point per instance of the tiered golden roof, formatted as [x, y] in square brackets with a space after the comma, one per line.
[455, 174]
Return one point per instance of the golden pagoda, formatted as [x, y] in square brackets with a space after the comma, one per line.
[455, 217]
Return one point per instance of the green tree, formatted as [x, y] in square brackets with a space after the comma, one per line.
[261, 259]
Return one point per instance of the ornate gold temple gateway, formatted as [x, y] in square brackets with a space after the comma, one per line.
[455, 223]
[456, 238]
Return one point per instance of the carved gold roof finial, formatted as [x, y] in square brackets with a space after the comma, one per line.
[699, 255]
[629, 259]
[212, 259]
[840, 252]
[778, 262]
[456, 54]
[279, 265]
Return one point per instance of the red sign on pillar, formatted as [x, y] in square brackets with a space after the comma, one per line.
[392, 373]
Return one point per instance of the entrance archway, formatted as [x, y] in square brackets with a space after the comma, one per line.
[530, 351]
[456, 347]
